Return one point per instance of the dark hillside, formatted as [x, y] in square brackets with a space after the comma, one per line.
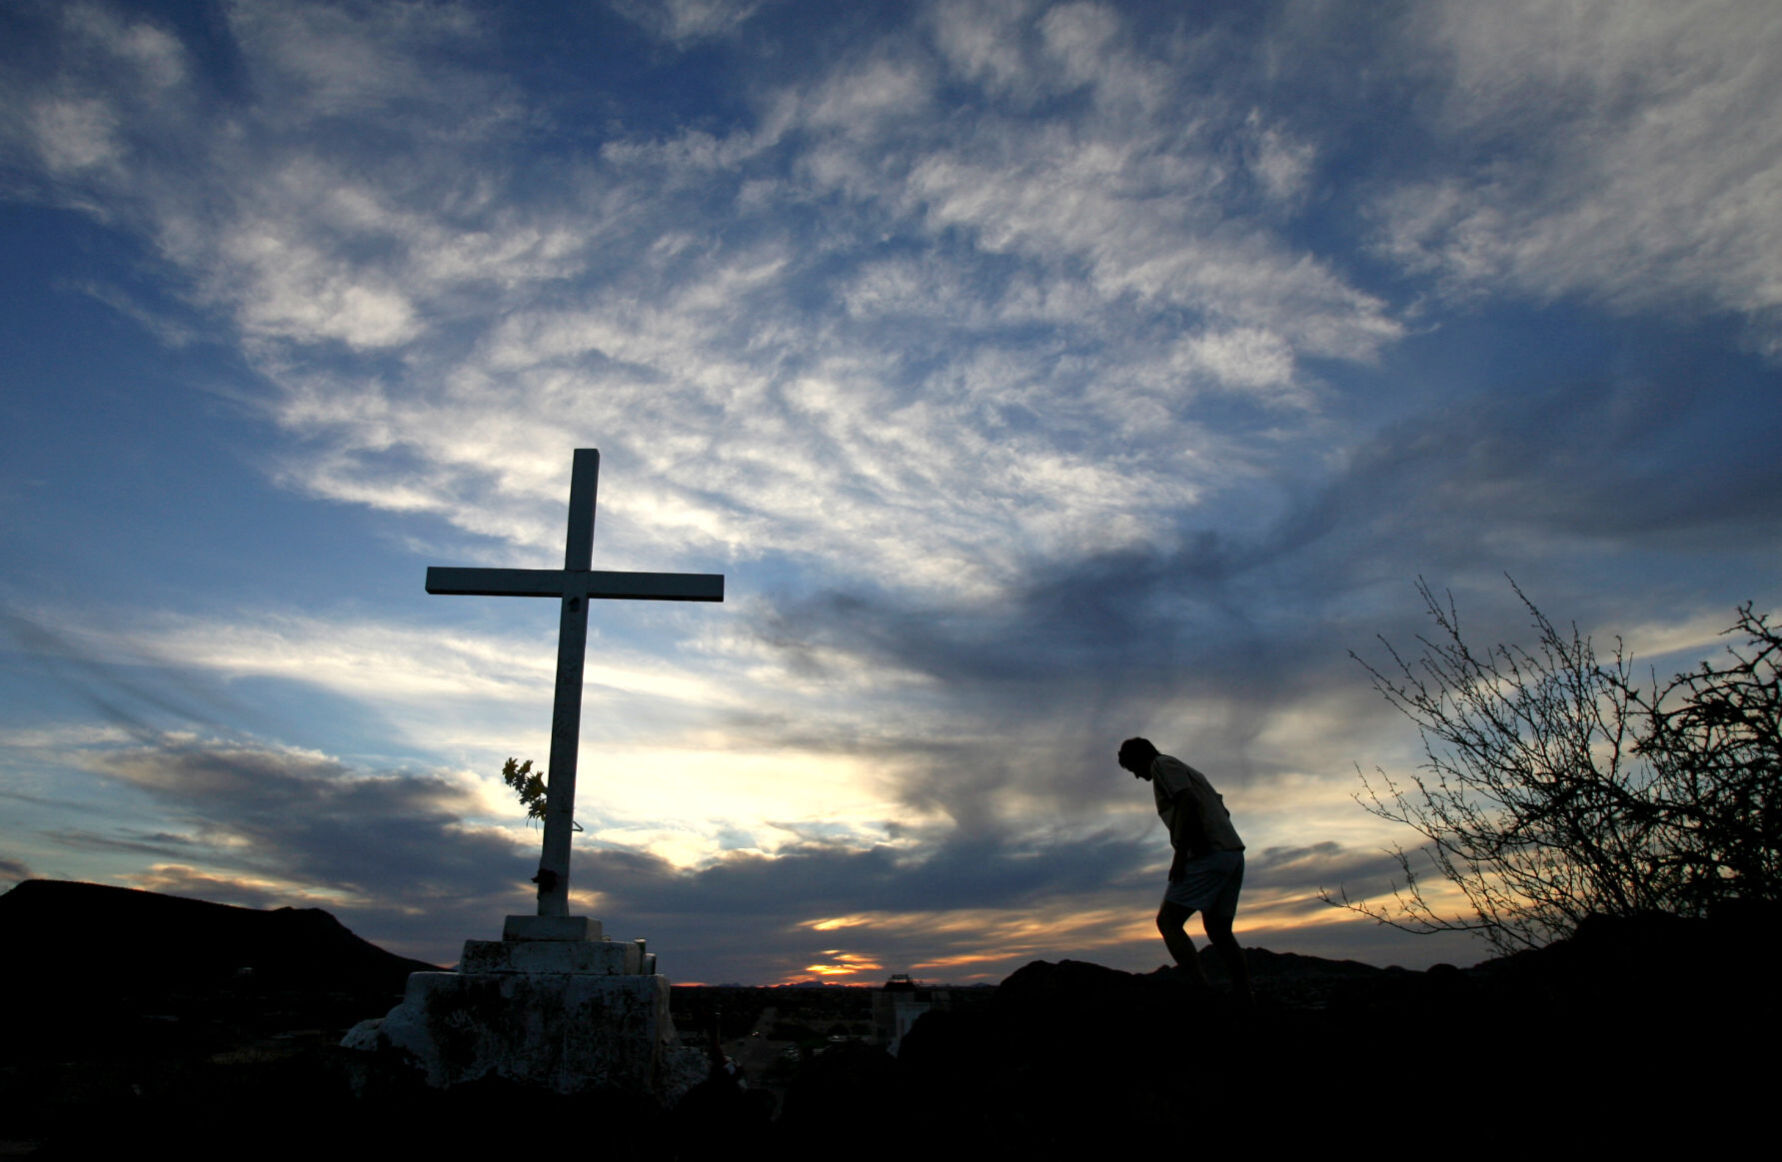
[129, 1020]
[1635, 1032]
[64, 936]
[120, 970]
[132, 1017]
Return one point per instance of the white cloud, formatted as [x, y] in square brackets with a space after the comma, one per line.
[75, 134]
[1082, 48]
[1080, 35]
[1245, 357]
[855, 97]
[71, 106]
[415, 667]
[291, 290]
[687, 158]
[63, 736]
[982, 41]
[357, 59]
[1647, 171]
[155, 58]
[1281, 162]
[684, 22]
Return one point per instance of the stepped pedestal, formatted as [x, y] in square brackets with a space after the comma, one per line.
[552, 1005]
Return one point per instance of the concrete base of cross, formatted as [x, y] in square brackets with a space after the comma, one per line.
[552, 1005]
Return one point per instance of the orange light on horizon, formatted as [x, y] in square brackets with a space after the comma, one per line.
[971, 944]
[842, 964]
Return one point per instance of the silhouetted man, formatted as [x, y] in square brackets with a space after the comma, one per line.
[1208, 868]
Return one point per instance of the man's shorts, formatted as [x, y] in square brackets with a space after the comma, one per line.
[1209, 884]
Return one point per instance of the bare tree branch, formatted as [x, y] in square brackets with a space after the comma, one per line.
[1555, 786]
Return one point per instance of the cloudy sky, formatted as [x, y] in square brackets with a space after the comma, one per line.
[1037, 375]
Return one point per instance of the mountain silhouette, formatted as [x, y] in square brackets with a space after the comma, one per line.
[98, 946]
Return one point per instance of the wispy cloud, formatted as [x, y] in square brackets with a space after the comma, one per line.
[680, 348]
[1643, 173]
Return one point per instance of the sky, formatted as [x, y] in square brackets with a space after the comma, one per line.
[1037, 375]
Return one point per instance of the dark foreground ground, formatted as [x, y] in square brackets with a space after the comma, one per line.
[1635, 1035]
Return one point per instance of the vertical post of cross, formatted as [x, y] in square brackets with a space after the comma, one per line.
[566, 713]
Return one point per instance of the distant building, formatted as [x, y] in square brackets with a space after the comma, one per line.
[896, 1006]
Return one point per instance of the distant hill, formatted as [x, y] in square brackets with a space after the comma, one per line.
[70, 941]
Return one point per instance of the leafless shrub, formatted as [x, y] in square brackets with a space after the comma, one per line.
[1555, 786]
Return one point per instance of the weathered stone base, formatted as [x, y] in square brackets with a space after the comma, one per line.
[547, 1008]
[566, 1032]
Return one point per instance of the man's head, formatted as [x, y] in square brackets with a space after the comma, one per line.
[1136, 755]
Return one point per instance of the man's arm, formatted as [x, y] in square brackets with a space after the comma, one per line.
[1189, 834]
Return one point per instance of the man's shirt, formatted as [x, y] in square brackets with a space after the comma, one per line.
[1172, 778]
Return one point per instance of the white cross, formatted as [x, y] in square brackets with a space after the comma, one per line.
[574, 584]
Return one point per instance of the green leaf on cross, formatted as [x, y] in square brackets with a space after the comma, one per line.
[529, 785]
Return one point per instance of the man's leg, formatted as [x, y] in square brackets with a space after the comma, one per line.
[1218, 930]
[1172, 920]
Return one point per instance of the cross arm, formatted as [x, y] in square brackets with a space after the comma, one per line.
[560, 583]
[655, 586]
[496, 582]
